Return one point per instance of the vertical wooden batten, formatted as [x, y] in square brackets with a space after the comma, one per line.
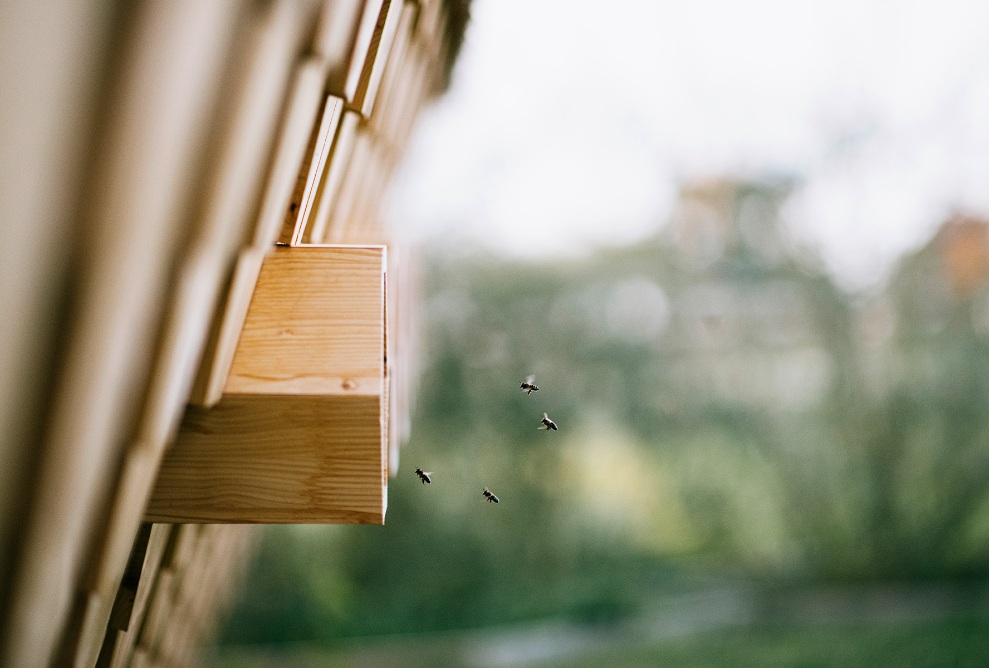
[299, 434]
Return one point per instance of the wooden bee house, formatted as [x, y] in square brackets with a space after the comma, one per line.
[299, 434]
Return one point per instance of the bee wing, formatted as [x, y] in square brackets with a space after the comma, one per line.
[546, 416]
[530, 379]
[428, 473]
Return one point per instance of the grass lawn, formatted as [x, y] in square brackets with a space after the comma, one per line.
[960, 642]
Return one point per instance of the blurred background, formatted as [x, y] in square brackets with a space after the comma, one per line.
[744, 248]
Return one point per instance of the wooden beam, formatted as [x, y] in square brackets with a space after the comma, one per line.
[299, 434]
[276, 458]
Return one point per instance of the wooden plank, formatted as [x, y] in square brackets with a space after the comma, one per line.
[277, 458]
[181, 547]
[391, 78]
[115, 637]
[303, 403]
[350, 189]
[158, 539]
[403, 89]
[364, 225]
[315, 324]
[428, 25]
[252, 95]
[158, 611]
[320, 145]
[377, 58]
[138, 187]
[343, 148]
[418, 93]
[220, 350]
[344, 37]
[51, 60]
[305, 102]
[140, 659]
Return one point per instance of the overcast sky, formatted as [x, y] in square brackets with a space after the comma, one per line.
[571, 124]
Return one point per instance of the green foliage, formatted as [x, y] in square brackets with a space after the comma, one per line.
[960, 643]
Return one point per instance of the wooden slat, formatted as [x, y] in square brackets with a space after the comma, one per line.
[377, 57]
[343, 147]
[391, 78]
[158, 610]
[296, 130]
[252, 93]
[220, 349]
[139, 186]
[350, 189]
[50, 65]
[320, 143]
[340, 34]
[428, 25]
[157, 541]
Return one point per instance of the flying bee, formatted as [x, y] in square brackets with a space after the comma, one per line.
[489, 496]
[529, 385]
[424, 475]
[548, 424]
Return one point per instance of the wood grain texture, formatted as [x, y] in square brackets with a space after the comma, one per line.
[276, 458]
[300, 433]
[315, 325]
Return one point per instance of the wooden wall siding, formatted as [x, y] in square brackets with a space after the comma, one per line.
[318, 151]
[155, 151]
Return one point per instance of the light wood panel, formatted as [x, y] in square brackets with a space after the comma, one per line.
[315, 325]
[276, 458]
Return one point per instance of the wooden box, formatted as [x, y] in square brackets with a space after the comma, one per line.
[300, 433]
